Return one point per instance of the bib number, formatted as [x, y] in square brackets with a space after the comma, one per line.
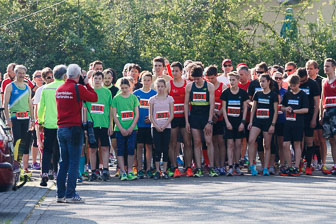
[144, 103]
[162, 115]
[199, 96]
[290, 116]
[279, 109]
[22, 115]
[233, 111]
[218, 106]
[97, 108]
[179, 108]
[262, 113]
[127, 115]
[330, 101]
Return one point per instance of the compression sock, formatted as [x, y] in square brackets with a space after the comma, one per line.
[81, 165]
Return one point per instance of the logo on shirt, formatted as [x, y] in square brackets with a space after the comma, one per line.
[263, 101]
[234, 102]
[293, 102]
[306, 90]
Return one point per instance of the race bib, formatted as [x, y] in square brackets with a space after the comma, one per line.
[97, 108]
[279, 109]
[144, 103]
[218, 106]
[22, 115]
[179, 108]
[330, 101]
[290, 116]
[262, 113]
[199, 96]
[126, 115]
[162, 115]
[233, 111]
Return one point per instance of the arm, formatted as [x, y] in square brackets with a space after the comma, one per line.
[87, 94]
[242, 125]
[116, 120]
[31, 110]
[151, 118]
[275, 117]
[110, 129]
[7, 94]
[301, 111]
[135, 120]
[208, 126]
[171, 115]
[186, 106]
[226, 119]
[253, 110]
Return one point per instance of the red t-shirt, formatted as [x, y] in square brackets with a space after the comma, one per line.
[7, 81]
[68, 108]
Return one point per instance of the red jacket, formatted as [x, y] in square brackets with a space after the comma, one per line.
[68, 108]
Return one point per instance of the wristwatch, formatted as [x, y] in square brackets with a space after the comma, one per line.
[210, 122]
[273, 124]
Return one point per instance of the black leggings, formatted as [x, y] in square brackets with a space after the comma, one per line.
[20, 131]
[161, 142]
[50, 149]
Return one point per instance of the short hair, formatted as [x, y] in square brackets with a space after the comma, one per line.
[177, 64]
[333, 62]
[294, 79]
[302, 72]
[17, 67]
[313, 63]
[160, 80]
[37, 71]
[125, 69]
[234, 74]
[211, 70]
[147, 74]
[196, 71]
[97, 62]
[199, 63]
[186, 63]
[242, 67]
[73, 71]
[278, 68]
[159, 59]
[11, 65]
[263, 66]
[45, 72]
[291, 63]
[125, 81]
[136, 66]
[190, 66]
[59, 71]
[98, 73]
[112, 72]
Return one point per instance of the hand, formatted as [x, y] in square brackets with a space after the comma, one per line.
[86, 80]
[9, 123]
[40, 144]
[32, 125]
[229, 126]
[313, 123]
[110, 131]
[321, 120]
[241, 127]
[289, 110]
[271, 129]
[208, 129]
[129, 131]
[147, 121]
[158, 129]
[123, 132]
[249, 126]
[188, 127]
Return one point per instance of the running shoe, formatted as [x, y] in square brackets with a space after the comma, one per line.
[141, 174]
[189, 172]
[294, 172]
[333, 171]
[253, 169]
[99, 173]
[222, 171]
[76, 199]
[198, 173]
[111, 158]
[157, 175]
[309, 171]
[106, 175]
[301, 167]
[271, 171]
[44, 180]
[80, 179]
[238, 172]
[213, 173]
[93, 177]
[170, 172]
[25, 174]
[165, 175]
[325, 171]
[85, 175]
[246, 162]
[265, 172]
[284, 171]
[135, 170]
[123, 177]
[51, 175]
[131, 176]
[117, 173]
[176, 173]
[149, 174]
[60, 200]
[230, 172]
[319, 167]
[36, 166]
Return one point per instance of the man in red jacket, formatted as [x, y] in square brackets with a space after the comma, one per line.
[69, 97]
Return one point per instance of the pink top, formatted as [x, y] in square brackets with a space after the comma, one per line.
[161, 109]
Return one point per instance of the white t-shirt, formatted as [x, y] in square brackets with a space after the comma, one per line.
[37, 97]
[223, 79]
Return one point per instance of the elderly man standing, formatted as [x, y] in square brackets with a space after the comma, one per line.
[47, 118]
[69, 97]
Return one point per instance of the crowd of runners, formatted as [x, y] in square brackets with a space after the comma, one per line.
[176, 120]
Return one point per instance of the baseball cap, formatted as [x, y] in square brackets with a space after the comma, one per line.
[241, 64]
[226, 61]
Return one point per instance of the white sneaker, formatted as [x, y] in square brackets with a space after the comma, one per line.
[60, 200]
[76, 199]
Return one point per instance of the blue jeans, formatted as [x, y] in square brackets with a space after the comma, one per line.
[70, 140]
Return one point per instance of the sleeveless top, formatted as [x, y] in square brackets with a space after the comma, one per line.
[18, 102]
[329, 94]
[218, 101]
[199, 100]
[178, 94]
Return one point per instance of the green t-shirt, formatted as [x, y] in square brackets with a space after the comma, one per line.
[125, 110]
[100, 110]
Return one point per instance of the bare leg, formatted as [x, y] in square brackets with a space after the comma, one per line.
[197, 146]
[254, 132]
[93, 158]
[105, 156]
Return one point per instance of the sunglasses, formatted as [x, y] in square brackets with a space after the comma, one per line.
[227, 65]
[49, 77]
[278, 78]
[260, 72]
[289, 70]
[37, 76]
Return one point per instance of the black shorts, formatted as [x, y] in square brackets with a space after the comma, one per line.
[262, 125]
[234, 133]
[102, 135]
[308, 131]
[198, 121]
[34, 139]
[318, 125]
[293, 132]
[218, 128]
[178, 122]
[144, 136]
[279, 129]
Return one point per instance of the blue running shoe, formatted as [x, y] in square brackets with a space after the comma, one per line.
[179, 161]
[253, 169]
[265, 172]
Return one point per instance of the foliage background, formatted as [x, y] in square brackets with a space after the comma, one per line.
[121, 31]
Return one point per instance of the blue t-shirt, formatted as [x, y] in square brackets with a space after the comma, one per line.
[281, 115]
[143, 98]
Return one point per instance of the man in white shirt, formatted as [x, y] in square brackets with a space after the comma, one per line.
[227, 68]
